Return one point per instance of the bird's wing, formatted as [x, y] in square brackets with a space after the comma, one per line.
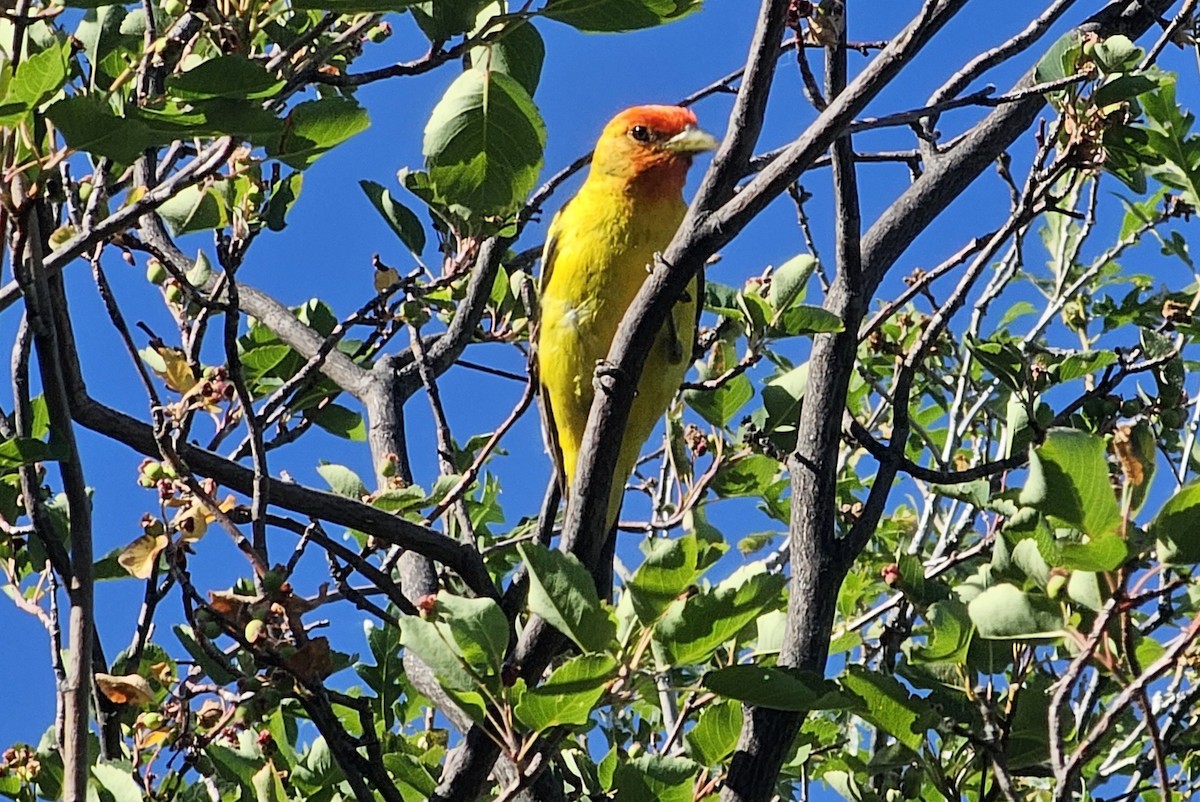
[549, 427]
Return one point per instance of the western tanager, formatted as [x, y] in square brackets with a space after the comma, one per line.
[599, 250]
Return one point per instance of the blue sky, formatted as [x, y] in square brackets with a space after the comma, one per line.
[333, 231]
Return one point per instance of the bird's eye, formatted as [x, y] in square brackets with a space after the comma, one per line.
[641, 133]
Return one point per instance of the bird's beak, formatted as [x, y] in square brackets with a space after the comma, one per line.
[691, 140]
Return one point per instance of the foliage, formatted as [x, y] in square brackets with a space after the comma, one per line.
[1021, 624]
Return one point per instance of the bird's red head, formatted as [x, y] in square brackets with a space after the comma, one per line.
[651, 146]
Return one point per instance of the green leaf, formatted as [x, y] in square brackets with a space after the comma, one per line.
[18, 451]
[354, 6]
[483, 143]
[337, 419]
[1103, 553]
[435, 645]
[668, 570]
[790, 281]
[286, 193]
[776, 688]
[1116, 52]
[695, 627]
[88, 124]
[516, 49]
[441, 19]
[1068, 479]
[1121, 88]
[949, 636]
[118, 780]
[1004, 612]
[342, 480]
[195, 208]
[562, 592]
[228, 76]
[568, 695]
[805, 319]
[782, 397]
[747, 476]
[399, 218]
[478, 627]
[317, 126]
[618, 15]
[889, 706]
[1060, 59]
[718, 406]
[1176, 527]
[716, 733]
[1085, 364]
[39, 77]
[654, 778]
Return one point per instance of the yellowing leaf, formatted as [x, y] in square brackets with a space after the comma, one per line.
[129, 689]
[176, 371]
[139, 557]
[191, 522]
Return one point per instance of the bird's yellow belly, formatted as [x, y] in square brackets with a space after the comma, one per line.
[577, 332]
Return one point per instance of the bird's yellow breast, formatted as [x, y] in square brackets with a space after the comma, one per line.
[599, 256]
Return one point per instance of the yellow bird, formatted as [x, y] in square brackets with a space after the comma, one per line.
[599, 250]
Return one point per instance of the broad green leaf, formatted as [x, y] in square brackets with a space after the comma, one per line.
[195, 208]
[1176, 527]
[410, 773]
[888, 705]
[716, 732]
[790, 280]
[562, 592]
[782, 397]
[439, 20]
[434, 643]
[1116, 52]
[747, 476]
[118, 781]
[228, 76]
[89, 125]
[1068, 479]
[283, 198]
[654, 778]
[342, 480]
[1103, 553]
[478, 627]
[568, 695]
[805, 319]
[776, 688]
[316, 126]
[1085, 364]
[39, 77]
[268, 785]
[18, 451]
[515, 49]
[668, 570]
[483, 143]
[1004, 612]
[695, 627]
[618, 15]
[1121, 88]
[337, 419]
[1060, 59]
[354, 6]
[718, 406]
[399, 218]
[949, 636]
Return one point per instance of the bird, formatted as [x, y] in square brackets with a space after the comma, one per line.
[599, 249]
